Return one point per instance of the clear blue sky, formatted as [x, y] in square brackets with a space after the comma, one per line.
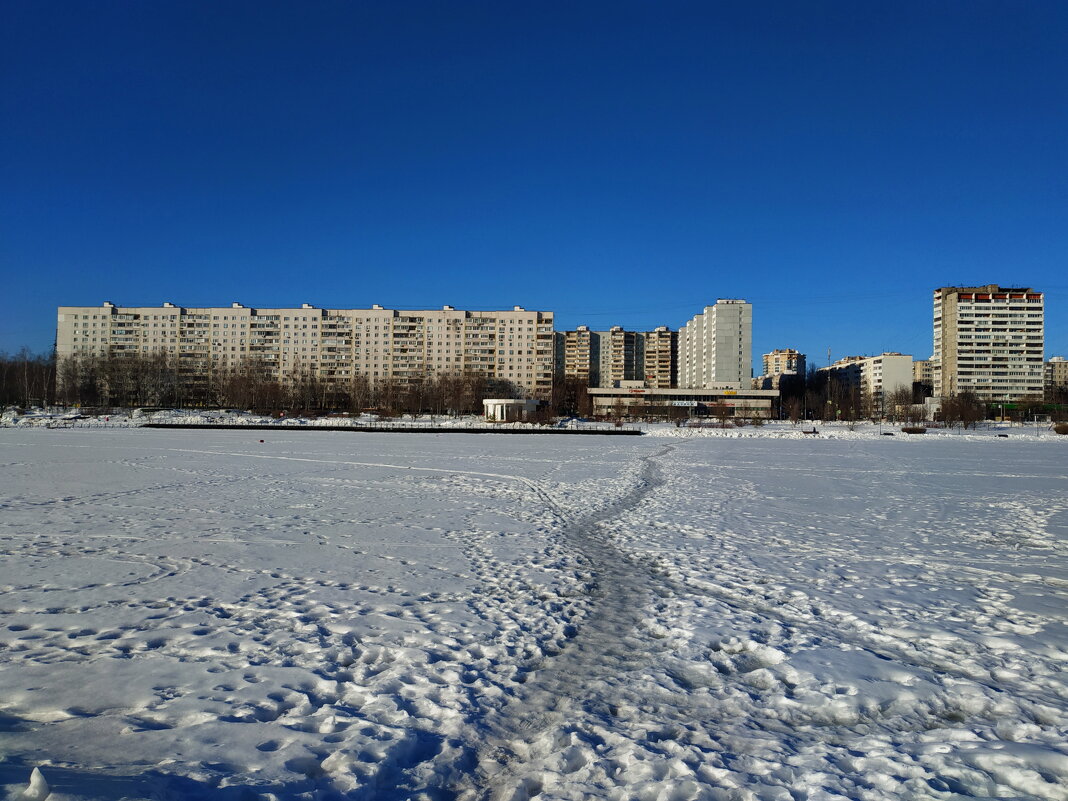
[617, 163]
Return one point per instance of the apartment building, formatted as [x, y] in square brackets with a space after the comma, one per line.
[876, 378]
[784, 360]
[988, 340]
[660, 357]
[923, 371]
[330, 344]
[781, 365]
[1056, 380]
[715, 347]
[578, 355]
[605, 358]
[923, 377]
[620, 356]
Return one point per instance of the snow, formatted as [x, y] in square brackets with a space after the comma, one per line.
[693, 614]
[37, 789]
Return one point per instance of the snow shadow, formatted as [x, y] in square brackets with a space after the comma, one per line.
[155, 784]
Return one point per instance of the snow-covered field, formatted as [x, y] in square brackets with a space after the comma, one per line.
[199, 614]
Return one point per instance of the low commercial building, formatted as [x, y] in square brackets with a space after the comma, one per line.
[631, 399]
[508, 410]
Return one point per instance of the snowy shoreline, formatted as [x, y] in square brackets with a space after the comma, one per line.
[438, 424]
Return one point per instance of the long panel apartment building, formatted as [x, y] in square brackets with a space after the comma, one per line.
[988, 340]
[331, 344]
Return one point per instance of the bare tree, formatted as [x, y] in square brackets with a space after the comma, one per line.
[899, 403]
[27, 379]
[794, 409]
[964, 409]
[721, 411]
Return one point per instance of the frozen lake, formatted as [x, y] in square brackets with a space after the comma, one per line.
[382, 616]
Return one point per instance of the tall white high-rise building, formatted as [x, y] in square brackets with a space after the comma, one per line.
[715, 347]
[988, 340]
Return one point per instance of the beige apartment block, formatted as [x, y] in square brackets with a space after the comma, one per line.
[876, 377]
[577, 355]
[331, 344]
[659, 357]
[605, 358]
[619, 356]
[988, 340]
[781, 365]
[1056, 379]
[715, 347]
[784, 360]
[923, 371]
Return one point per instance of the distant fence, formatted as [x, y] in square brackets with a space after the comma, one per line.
[407, 428]
[82, 424]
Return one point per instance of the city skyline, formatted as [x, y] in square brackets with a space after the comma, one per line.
[617, 164]
[813, 359]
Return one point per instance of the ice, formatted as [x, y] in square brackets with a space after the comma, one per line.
[709, 614]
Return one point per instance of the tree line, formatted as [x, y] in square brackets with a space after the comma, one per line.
[825, 397]
[27, 379]
[166, 380]
[162, 380]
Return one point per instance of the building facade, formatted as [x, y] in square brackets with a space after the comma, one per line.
[604, 358]
[784, 360]
[660, 358]
[988, 340]
[781, 366]
[636, 401]
[578, 355]
[1056, 380]
[876, 378]
[333, 345]
[620, 356]
[715, 347]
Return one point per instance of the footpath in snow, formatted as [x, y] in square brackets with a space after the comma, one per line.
[688, 616]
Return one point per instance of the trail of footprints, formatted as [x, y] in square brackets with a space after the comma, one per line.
[391, 672]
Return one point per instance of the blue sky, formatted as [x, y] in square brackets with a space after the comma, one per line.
[617, 163]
